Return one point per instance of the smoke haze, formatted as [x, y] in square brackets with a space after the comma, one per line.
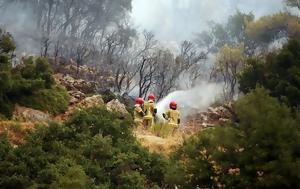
[19, 21]
[172, 21]
[178, 20]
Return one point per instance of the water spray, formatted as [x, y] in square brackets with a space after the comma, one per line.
[198, 98]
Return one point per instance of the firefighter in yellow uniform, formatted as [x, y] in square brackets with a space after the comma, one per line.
[138, 113]
[172, 115]
[150, 111]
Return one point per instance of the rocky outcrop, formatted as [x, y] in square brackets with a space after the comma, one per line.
[96, 77]
[30, 115]
[78, 89]
[85, 103]
[210, 118]
[89, 102]
[72, 84]
[90, 81]
[76, 97]
[116, 106]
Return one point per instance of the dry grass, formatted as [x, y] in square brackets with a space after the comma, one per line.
[159, 139]
[16, 131]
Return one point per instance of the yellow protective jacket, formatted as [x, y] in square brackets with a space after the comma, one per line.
[149, 109]
[173, 117]
[138, 113]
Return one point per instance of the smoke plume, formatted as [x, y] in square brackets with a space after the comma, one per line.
[198, 98]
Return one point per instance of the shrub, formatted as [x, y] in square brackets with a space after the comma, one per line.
[30, 84]
[94, 149]
[54, 101]
[6, 107]
[101, 121]
[108, 96]
[262, 146]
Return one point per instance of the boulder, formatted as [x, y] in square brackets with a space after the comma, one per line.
[76, 97]
[85, 78]
[116, 106]
[72, 84]
[89, 102]
[30, 115]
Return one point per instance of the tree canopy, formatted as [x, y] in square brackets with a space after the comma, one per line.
[272, 27]
[278, 72]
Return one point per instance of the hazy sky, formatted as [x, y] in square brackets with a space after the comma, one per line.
[176, 20]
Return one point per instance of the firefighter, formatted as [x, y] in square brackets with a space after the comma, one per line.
[138, 112]
[172, 115]
[150, 111]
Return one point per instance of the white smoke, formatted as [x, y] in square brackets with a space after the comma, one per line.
[20, 22]
[178, 20]
[198, 98]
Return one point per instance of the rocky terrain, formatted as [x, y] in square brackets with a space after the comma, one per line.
[83, 93]
[23, 114]
[83, 84]
[87, 79]
[73, 85]
[80, 91]
[219, 115]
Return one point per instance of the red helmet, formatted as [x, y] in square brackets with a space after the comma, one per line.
[139, 101]
[173, 104]
[151, 97]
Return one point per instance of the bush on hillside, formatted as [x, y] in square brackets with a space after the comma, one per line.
[54, 101]
[30, 84]
[94, 149]
[255, 153]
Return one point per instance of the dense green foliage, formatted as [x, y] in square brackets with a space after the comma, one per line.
[7, 46]
[107, 96]
[94, 149]
[261, 151]
[30, 84]
[54, 100]
[279, 73]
